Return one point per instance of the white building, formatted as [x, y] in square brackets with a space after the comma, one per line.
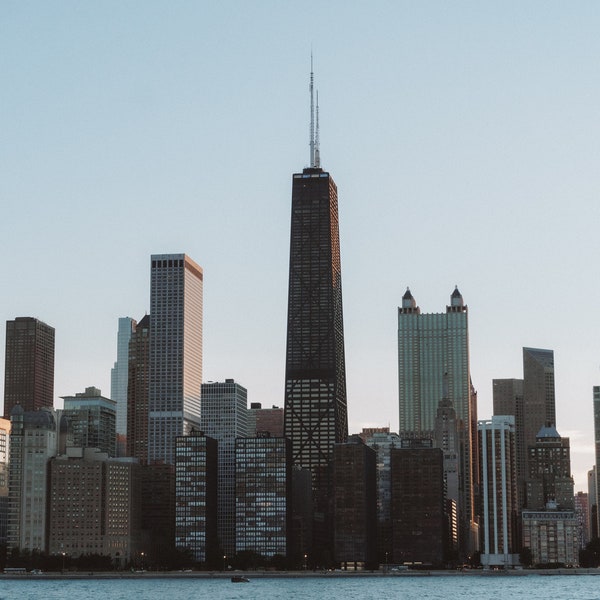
[176, 285]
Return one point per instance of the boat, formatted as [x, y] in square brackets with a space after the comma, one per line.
[239, 579]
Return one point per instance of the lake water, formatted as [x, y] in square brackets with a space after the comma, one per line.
[529, 587]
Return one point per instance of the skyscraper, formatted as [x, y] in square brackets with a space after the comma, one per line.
[29, 365]
[508, 400]
[119, 376]
[225, 418]
[175, 352]
[538, 392]
[315, 376]
[196, 495]
[594, 478]
[499, 491]
[138, 385]
[91, 419]
[433, 349]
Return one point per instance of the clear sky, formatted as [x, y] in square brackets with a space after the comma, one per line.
[463, 137]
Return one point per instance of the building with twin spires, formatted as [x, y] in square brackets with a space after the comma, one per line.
[432, 349]
[315, 374]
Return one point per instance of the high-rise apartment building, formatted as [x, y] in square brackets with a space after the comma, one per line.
[224, 418]
[94, 505]
[508, 400]
[263, 482]
[549, 479]
[593, 502]
[175, 352]
[315, 375]
[355, 504]
[499, 492]
[433, 354]
[138, 387]
[91, 419]
[196, 495]
[417, 508]
[4, 450]
[29, 365]
[594, 487]
[582, 510]
[119, 376]
[34, 439]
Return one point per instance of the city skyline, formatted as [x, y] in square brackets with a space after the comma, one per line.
[467, 131]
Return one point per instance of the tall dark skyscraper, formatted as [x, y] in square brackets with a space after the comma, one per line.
[29, 365]
[315, 375]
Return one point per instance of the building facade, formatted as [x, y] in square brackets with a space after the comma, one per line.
[382, 441]
[417, 509]
[263, 421]
[549, 479]
[433, 353]
[119, 377]
[34, 440]
[92, 420]
[552, 536]
[595, 514]
[94, 505]
[355, 505]
[176, 286]
[263, 480]
[196, 495]
[138, 389]
[224, 417]
[499, 492]
[29, 365]
[4, 456]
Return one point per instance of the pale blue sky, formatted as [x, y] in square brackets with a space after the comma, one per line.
[463, 137]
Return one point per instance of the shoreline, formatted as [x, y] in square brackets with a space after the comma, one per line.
[294, 574]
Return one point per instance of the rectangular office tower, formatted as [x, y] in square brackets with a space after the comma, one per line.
[29, 365]
[175, 352]
[433, 365]
[225, 419]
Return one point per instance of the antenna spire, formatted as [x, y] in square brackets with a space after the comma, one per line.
[312, 114]
[317, 150]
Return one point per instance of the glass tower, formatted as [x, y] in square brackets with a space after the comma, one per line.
[175, 352]
[433, 353]
[118, 380]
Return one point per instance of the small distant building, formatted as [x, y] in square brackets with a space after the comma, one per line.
[549, 463]
[552, 535]
[94, 505]
[263, 475]
[92, 420]
[263, 421]
[582, 510]
[196, 494]
[355, 504]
